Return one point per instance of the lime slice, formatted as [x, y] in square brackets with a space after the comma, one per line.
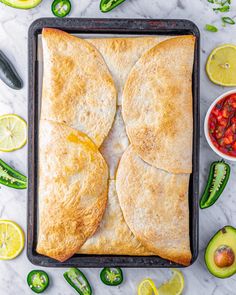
[13, 133]
[11, 239]
[147, 287]
[221, 65]
[174, 286]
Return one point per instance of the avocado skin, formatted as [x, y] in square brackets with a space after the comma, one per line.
[229, 234]
[16, 3]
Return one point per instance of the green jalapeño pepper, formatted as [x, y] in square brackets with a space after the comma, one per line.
[108, 5]
[12, 178]
[78, 281]
[61, 8]
[217, 180]
[8, 73]
[111, 276]
[38, 281]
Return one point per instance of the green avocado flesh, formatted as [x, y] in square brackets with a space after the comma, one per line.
[21, 4]
[226, 237]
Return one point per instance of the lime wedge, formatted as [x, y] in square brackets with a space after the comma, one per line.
[221, 65]
[147, 287]
[11, 239]
[13, 132]
[174, 286]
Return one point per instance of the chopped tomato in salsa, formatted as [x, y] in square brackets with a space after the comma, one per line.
[222, 125]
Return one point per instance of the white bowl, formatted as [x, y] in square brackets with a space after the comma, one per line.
[206, 130]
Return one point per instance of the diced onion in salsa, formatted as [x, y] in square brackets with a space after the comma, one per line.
[222, 125]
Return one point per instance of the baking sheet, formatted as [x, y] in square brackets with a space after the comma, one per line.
[152, 27]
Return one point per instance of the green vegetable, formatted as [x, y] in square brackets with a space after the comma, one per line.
[78, 281]
[111, 276]
[61, 8]
[228, 20]
[8, 73]
[222, 9]
[222, 6]
[217, 180]
[38, 281]
[225, 2]
[220, 2]
[11, 177]
[211, 28]
[108, 5]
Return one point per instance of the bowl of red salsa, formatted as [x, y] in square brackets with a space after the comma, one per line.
[220, 125]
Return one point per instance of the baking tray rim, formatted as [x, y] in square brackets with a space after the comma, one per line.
[104, 26]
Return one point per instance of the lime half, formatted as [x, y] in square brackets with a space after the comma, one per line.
[174, 286]
[11, 239]
[13, 132]
[147, 287]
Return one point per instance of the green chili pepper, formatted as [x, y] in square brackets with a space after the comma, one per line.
[61, 8]
[11, 177]
[111, 276]
[38, 281]
[8, 73]
[217, 180]
[108, 5]
[222, 9]
[211, 28]
[78, 281]
[228, 20]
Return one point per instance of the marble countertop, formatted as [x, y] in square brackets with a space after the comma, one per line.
[13, 40]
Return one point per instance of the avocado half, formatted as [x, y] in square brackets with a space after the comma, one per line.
[21, 4]
[220, 254]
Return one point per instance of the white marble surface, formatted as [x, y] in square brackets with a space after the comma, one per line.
[13, 40]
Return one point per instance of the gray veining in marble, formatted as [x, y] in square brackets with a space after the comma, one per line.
[13, 40]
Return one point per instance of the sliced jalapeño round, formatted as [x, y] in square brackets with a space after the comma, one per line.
[61, 8]
[38, 281]
[111, 276]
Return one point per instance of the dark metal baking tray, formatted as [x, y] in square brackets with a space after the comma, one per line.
[104, 27]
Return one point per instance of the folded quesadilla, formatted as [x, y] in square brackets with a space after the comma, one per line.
[73, 180]
[157, 105]
[155, 207]
[78, 89]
